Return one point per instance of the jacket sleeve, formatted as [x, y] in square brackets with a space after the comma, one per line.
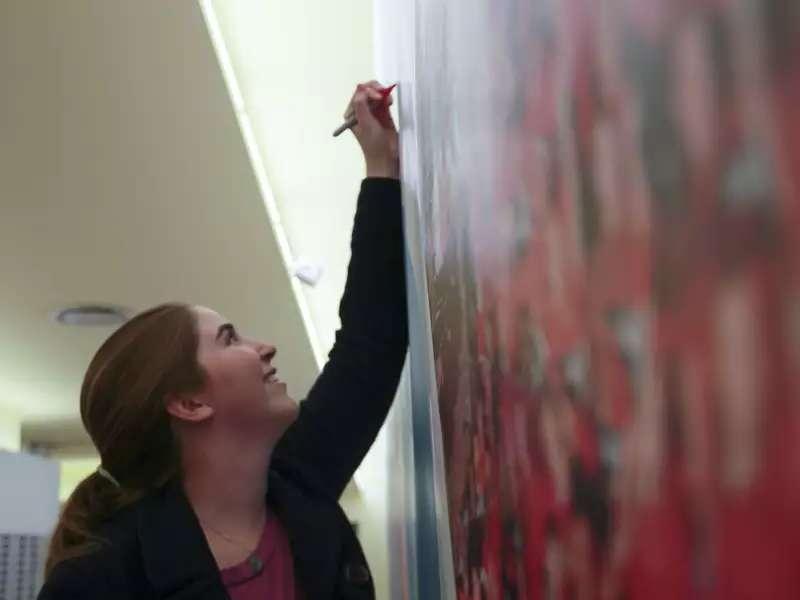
[348, 404]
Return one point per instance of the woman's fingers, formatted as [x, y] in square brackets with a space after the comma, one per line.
[362, 108]
[374, 129]
[372, 90]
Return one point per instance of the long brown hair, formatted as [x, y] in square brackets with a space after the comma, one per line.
[123, 409]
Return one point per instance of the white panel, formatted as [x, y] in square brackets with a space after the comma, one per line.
[21, 566]
[29, 496]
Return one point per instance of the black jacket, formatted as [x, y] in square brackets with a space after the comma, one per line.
[157, 548]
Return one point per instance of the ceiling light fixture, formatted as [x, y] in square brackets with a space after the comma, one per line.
[92, 315]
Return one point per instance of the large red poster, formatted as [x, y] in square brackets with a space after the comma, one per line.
[611, 222]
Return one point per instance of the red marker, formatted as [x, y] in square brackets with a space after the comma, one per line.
[380, 108]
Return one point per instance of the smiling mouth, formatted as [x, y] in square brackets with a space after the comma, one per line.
[271, 376]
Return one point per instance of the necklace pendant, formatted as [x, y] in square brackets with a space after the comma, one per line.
[256, 564]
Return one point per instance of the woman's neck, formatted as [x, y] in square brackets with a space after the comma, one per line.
[226, 484]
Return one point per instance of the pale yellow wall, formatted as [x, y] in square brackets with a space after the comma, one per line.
[73, 470]
[9, 430]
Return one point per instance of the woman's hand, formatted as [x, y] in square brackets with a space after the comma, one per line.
[375, 131]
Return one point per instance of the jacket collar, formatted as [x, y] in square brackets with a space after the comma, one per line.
[313, 527]
[177, 560]
[179, 564]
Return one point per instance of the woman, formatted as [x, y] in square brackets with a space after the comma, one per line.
[214, 484]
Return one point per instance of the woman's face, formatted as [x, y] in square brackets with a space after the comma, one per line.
[242, 384]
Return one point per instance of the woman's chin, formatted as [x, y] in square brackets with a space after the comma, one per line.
[283, 408]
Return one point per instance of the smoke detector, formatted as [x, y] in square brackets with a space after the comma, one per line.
[307, 271]
[92, 315]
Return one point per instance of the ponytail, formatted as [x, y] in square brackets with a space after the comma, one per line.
[93, 501]
[124, 412]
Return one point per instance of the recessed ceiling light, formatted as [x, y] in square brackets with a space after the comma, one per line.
[92, 315]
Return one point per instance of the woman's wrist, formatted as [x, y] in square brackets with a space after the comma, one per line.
[389, 169]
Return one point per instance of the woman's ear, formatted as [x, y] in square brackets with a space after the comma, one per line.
[189, 408]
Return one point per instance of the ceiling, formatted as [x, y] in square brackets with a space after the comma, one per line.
[125, 178]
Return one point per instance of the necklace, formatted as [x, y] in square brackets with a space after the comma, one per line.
[224, 536]
[254, 561]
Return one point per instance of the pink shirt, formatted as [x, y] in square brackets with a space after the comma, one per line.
[269, 572]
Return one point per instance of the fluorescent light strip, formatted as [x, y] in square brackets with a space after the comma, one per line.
[257, 161]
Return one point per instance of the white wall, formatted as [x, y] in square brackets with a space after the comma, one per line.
[367, 508]
[297, 64]
[366, 503]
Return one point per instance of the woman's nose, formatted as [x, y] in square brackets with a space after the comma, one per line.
[267, 352]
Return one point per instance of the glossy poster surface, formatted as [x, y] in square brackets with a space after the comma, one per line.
[609, 197]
